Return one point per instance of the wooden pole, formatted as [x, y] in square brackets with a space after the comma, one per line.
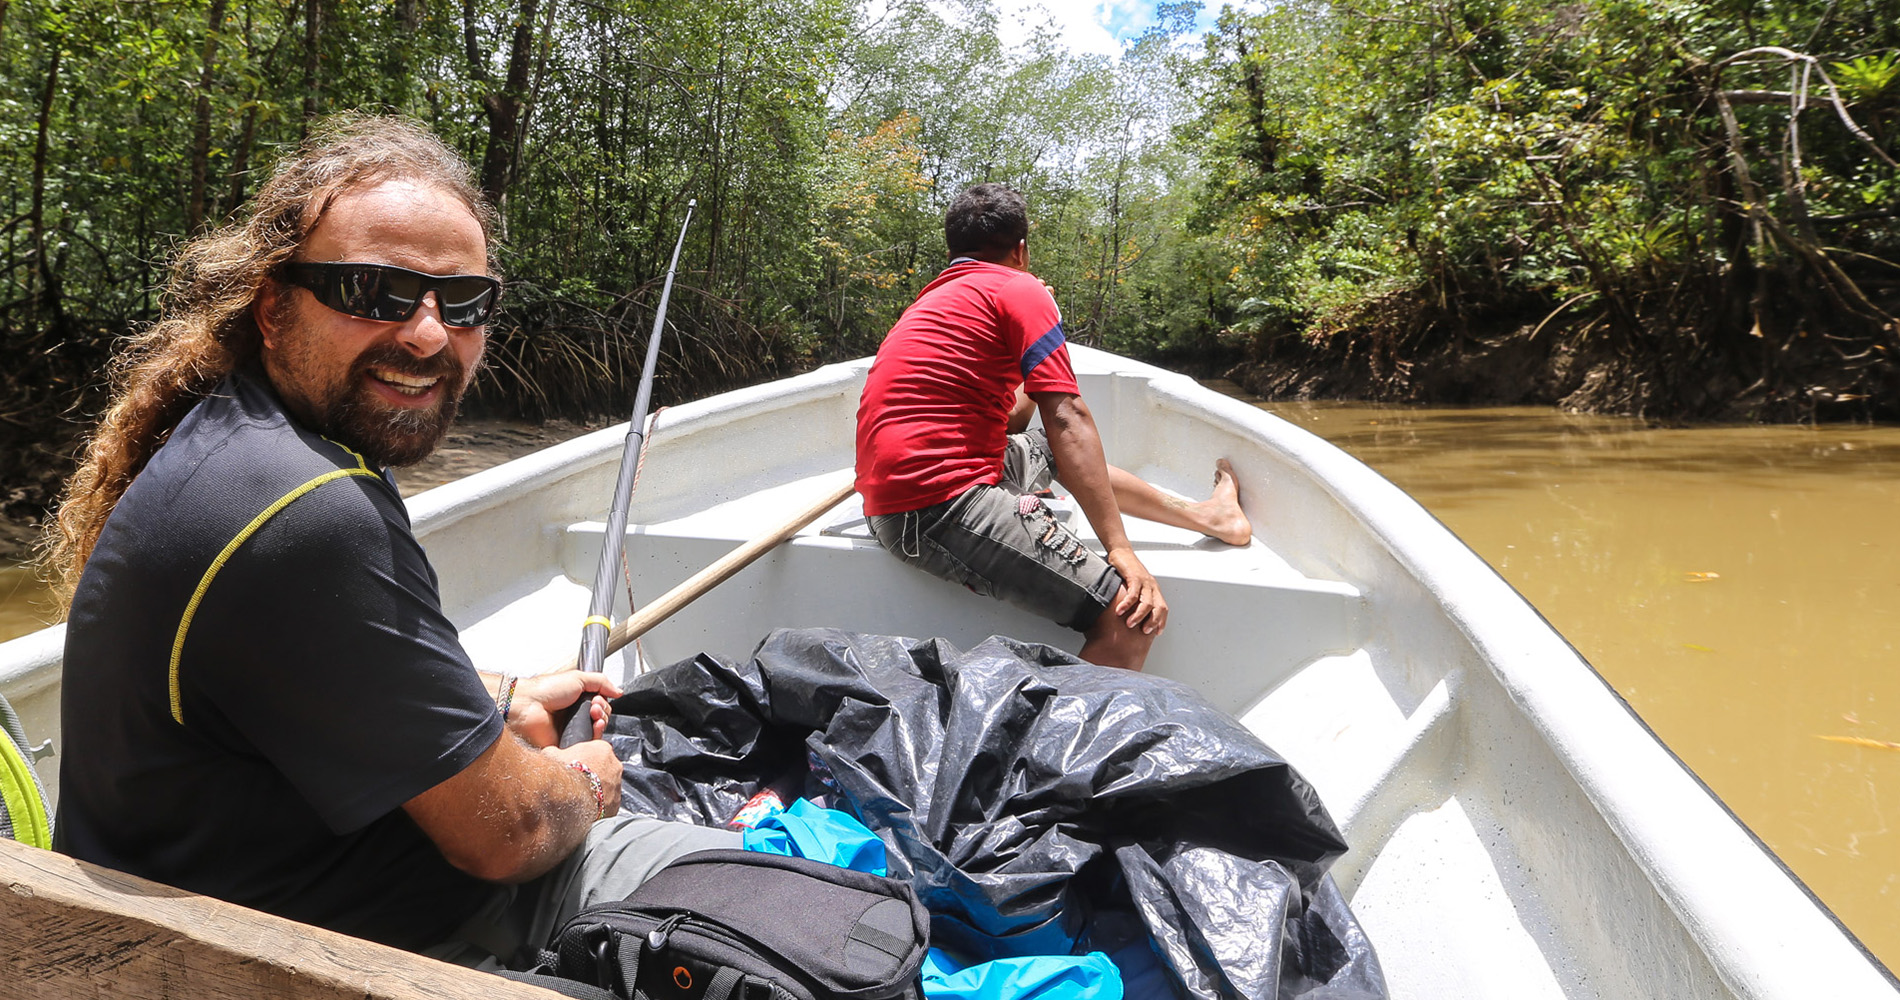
[721, 570]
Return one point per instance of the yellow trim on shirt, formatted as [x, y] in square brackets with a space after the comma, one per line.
[230, 549]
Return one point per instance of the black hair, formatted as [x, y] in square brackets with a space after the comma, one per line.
[986, 221]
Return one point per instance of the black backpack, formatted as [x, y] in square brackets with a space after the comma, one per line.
[740, 925]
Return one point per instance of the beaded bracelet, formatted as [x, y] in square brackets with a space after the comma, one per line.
[593, 782]
[506, 697]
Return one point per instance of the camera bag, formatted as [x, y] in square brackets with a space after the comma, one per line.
[742, 925]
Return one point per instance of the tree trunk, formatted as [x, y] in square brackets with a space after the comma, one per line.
[543, 49]
[241, 159]
[716, 182]
[201, 122]
[247, 134]
[503, 106]
[312, 54]
[1266, 140]
[401, 61]
[42, 277]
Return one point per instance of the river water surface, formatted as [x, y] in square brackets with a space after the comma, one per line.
[25, 605]
[1740, 586]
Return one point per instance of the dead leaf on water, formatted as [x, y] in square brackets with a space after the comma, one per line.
[1695, 577]
[1860, 741]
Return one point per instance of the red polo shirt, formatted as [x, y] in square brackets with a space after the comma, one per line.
[934, 413]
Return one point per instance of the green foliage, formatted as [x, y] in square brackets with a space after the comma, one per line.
[821, 139]
[1478, 160]
[1320, 169]
[873, 232]
[1868, 77]
[1091, 143]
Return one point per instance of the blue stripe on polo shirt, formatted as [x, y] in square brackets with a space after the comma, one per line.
[1044, 346]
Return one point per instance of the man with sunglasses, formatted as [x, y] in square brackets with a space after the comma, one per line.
[264, 700]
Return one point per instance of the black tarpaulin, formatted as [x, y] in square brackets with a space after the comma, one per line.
[1040, 805]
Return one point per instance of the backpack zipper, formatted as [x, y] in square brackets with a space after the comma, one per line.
[658, 937]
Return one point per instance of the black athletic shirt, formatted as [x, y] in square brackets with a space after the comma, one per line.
[317, 684]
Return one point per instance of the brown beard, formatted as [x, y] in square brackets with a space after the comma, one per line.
[347, 412]
[383, 434]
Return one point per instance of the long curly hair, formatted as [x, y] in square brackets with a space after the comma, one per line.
[207, 328]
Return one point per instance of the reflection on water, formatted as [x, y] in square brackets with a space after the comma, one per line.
[25, 604]
[1738, 585]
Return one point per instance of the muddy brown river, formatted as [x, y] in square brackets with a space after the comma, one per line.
[1740, 586]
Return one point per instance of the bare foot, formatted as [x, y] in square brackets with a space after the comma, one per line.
[1225, 520]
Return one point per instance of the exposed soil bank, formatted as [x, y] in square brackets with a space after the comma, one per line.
[1797, 376]
[34, 464]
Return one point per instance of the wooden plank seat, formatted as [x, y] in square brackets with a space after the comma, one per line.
[74, 929]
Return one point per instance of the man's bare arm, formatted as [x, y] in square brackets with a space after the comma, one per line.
[1083, 470]
[1020, 412]
[516, 812]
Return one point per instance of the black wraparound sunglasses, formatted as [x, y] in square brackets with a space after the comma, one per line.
[391, 294]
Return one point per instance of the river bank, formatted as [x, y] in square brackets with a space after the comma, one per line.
[1664, 377]
[1670, 376]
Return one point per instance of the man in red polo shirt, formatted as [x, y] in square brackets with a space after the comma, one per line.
[948, 473]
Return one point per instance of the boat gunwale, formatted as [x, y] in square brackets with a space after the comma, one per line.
[31, 663]
[438, 508]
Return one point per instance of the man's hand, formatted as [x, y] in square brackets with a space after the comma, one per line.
[537, 699]
[1139, 602]
[599, 757]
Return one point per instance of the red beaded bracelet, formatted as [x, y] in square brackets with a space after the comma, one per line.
[593, 782]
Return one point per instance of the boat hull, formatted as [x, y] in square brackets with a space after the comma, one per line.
[1516, 831]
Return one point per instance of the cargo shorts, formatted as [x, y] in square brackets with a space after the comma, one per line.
[1001, 541]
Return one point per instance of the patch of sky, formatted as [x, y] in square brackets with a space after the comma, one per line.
[1099, 27]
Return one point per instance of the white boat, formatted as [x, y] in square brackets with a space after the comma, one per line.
[1516, 832]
